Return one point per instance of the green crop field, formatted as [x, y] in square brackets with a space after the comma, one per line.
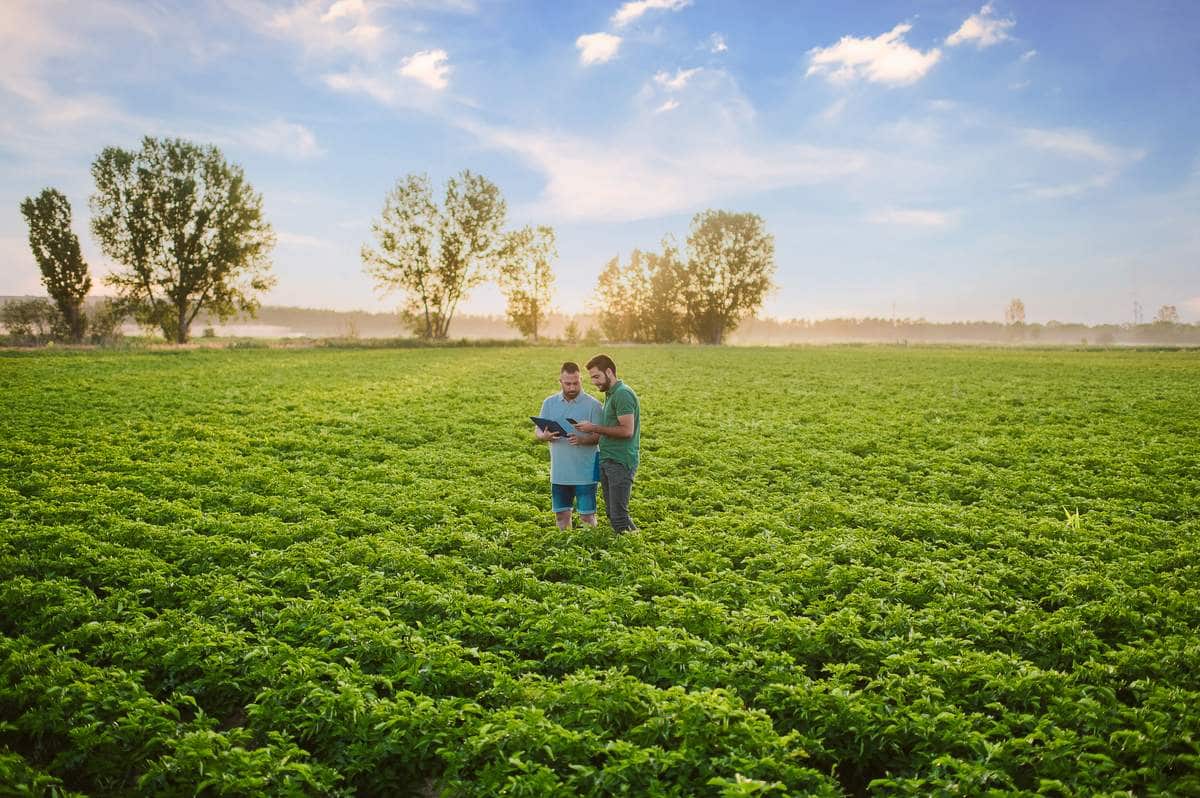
[860, 571]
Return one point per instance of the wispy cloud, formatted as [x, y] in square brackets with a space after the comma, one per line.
[669, 105]
[283, 138]
[427, 67]
[1028, 55]
[982, 29]
[320, 26]
[597, 48]
[884, 59]
[630, 179]
[834, 112]
[633, 10]
[1083, 148]
[677, 81]
[716, 43]
[913, 217]
[286, 239]
[1078, 144]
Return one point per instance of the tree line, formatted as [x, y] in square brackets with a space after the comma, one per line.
[188, 235]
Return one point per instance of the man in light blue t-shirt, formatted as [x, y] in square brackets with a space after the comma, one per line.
[574, 464]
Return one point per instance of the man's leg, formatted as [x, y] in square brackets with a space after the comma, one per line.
[604, 487]
[585, 497]
[562, 499]
[618, 487]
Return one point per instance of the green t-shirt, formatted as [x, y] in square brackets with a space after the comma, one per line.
[620, 400]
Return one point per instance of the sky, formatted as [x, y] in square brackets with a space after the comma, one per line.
[926, 158]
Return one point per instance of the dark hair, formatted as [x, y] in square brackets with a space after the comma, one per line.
[569, 367]
[602, 362]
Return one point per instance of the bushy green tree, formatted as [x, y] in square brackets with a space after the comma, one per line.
[730, 265]
[640, 301]
[30, 321]
[188, 229]
[526, 277]
[436, 255]
[56, 250]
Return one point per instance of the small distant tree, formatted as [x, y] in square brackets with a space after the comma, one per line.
[435, 256]
[1014, 314]
[730, 263]
[662, 317]
[188, 229]
[620, 291]
[1167, 314]
[56, 250]
[30, 321]
[526, 278]
[571, 333]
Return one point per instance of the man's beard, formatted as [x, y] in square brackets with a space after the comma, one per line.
[571, 394]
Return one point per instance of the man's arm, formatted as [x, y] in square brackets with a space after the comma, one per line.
[624, 428]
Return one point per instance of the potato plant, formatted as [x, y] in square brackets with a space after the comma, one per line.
[860, 571]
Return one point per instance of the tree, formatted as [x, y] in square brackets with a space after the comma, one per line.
[56, 249]
[30, 320]
[731, 260]
[663, 312]
[620, 298]
[188, 229]
[1014, 314]
[526, 278]
[1167, 314]
[436, 255]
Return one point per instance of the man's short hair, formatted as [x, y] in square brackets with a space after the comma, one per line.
[602, 362]
[569, 367]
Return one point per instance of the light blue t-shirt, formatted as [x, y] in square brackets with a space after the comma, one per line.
[572, 465]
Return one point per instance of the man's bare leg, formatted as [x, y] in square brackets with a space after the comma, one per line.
[563, 519]
[589, 519]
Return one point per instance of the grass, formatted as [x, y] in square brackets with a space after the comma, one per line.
[861, 571]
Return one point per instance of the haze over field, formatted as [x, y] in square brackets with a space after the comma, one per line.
[927, 158]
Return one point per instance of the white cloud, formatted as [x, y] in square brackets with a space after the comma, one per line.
[320, 26]
[280, 137]
[1029, 55]
[942, 105]
[669, 105]
[428, 67]
[597, 48]
[982, 29]
[1020, 84]
[885, 59]
[677, 82]
[634, 9]
[1080, 147]
[834, 112]
[912, 217]
[636, 177]
[1192, 304]
[1078, 144]
[716, 43]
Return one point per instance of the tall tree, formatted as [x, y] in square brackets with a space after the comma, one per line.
[56, 249]
[526, 277]
[662, 314]
[1167, 314]
[731, 260]
[436, 255]
[1014, 314]
[188, 229]
[620, 298]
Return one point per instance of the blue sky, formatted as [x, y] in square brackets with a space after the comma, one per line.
[932, 156]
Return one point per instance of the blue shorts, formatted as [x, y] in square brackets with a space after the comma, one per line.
[563, 497]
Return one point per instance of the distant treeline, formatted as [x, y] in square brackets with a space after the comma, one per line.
[275, 321]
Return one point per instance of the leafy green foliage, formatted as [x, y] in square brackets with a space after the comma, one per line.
[187, 228]
[56, 249]
[859, 571]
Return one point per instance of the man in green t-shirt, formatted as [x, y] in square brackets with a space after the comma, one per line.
[620, 437]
